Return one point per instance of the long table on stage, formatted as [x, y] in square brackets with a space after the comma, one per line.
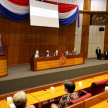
[41, 63]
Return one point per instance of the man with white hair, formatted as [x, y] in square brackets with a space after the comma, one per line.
[74, 51]
[20, 100]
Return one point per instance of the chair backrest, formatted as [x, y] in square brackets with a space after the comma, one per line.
[88, 95]
[52, 54]
[98, 87]
[77, 105]
[70, 53]
[43, 55]
[96, 99]
[61, 54]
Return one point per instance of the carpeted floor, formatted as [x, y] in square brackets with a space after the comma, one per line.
[21, 77]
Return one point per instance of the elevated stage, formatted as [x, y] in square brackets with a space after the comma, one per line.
[21, 77]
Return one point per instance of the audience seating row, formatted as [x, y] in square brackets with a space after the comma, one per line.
[97, 101]
[42, 95]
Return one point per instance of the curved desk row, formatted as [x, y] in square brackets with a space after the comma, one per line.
[41, 63]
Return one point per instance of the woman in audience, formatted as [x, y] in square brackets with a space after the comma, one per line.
[69, 87]
[20, 100]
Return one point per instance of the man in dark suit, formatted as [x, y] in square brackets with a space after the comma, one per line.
[106, 54]
[98, 52]
[74, 51]
[47, 54]
[66, 52]
[37, 54]
[56, 53]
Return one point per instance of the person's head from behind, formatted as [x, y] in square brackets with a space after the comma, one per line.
[37, 51]
[47, 51]
[66, 51]
[69, 86]
[20, 99]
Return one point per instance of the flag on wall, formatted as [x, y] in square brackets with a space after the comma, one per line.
[0, 45]
[18, 10]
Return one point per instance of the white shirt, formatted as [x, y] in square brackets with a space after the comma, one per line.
[47, 55]
[98, 50]
[36, 55]
[106, 53]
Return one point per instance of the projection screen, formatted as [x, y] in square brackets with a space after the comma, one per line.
[43, 14]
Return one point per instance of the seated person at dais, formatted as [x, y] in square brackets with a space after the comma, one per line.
[37, 54]
[20, 100]
[66, 52]
[74, 51]
[47, 54]
[56, 53]
[69, 87]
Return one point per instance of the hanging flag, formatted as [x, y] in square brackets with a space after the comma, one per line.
[18, 10]
[0, 45]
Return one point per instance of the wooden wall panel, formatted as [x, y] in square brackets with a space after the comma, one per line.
[5, 38]
[7, 25]
[16, 51]
[20, 40]
[2, 23]
[12, 38]
[85, 34]
[106, 38]
[61, 48]
[107, 6]
[87, 4]
[13, 26]
[17, 38]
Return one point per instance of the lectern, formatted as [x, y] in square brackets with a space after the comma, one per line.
[3, 65]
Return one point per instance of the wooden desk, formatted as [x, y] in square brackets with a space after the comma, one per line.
[3, 65]
[103, 104]
[31, 101]
[41, 63]
[48, 96]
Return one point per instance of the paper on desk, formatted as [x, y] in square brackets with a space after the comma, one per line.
[9, 98]
[12, 105]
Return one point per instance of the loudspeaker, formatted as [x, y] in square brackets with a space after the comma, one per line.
[101, 28]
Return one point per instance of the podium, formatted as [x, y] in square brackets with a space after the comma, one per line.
[3, 65]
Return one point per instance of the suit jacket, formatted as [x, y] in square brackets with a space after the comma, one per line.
[35, 54]
[56, 54]
[66, 53]
[74, 52]
[46, 54]
[105, 52]
[97, 51]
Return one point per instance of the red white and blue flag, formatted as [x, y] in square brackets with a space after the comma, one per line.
[18, 10]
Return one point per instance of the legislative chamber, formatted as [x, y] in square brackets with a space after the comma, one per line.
[53, 53]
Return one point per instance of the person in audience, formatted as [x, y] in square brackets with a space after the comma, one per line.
[69, 87]
[20, 100]
[66, 52]
[37, 54]
[106, 54]
[56, 53]
[47, 54]
[74, 51]
[98, 52]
